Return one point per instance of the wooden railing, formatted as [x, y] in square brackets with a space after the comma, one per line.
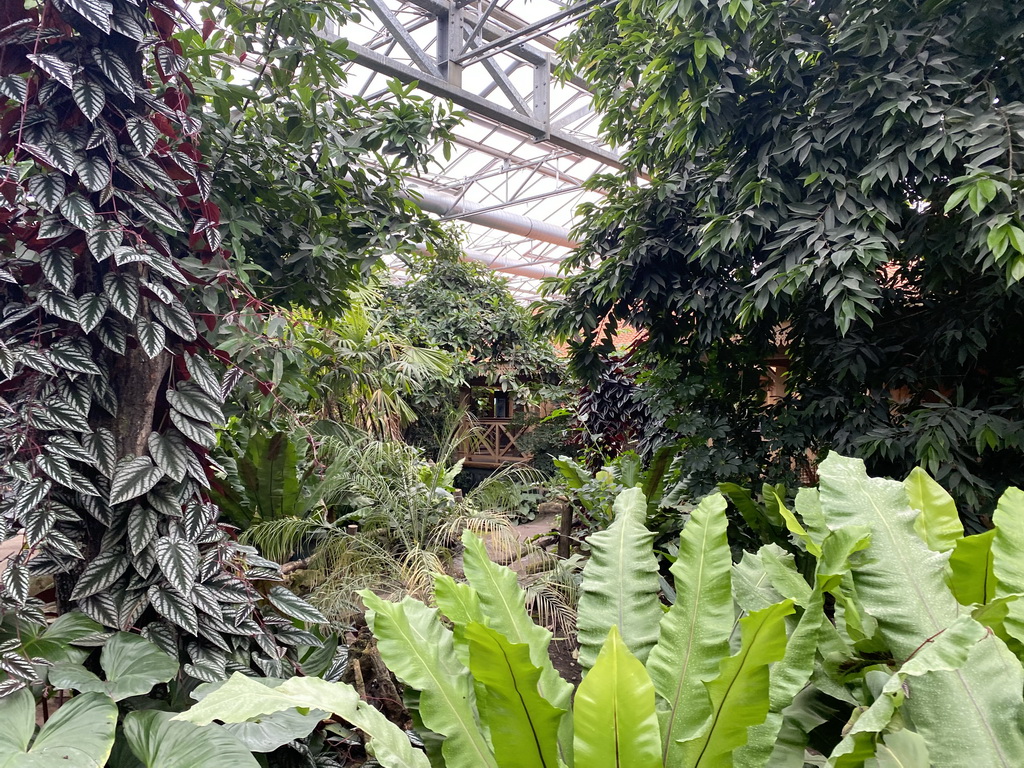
[495, 445]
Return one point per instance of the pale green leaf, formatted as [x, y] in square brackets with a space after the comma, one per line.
[937, 523]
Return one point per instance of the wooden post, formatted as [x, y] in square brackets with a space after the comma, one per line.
[565, 531]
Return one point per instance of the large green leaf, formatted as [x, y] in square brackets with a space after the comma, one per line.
[460, 603]
[504, 604]
[79, 735]
[420, 651]
[159, 740]
[242, 699]
[937, 522]
[694, 634]
[131, 665]
[620, 583]
[971, 569]
[740, 694]
[1008, 556]
[522, 724]
[614, 719]
[965, 719]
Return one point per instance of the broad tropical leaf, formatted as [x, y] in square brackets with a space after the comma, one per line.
[1007, 549]
[158, 740]
[419, 650]
[614, 720]
[937, 523]
[964, 719]
[79, 735]
[694, 634]
[971, 569]
[241, 699]
[131, 665]
[620, 584]
[523, 725]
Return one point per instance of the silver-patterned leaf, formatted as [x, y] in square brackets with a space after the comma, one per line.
[103, 607]
[79, 211]
[143, 133]
[90, 97]
[164, 501]
[175, 318]
[15, 580]
[47, 189]
[94, 173]
[194, 520]
[293, 606]
[115, 70]
[179, 562]
[74, 354]
[56, 467]
[154, 210]
[38, 523]
[113, 335]
[203, 375]
[103, 242]
[68, 447]
[123, 292]
[53, 228]
[170, 453]
[31, 495]
[106, 568]
[196, 431]
[103, 449]
[142, 522]
[96, 12]
[59, 268]
[57, 68]
[91, 309]
[133, 478]
[192, 401]
[14, 88]
[146, 172]
[58, 304]
[174, 607]
[128, 255]
[170, 62]
[151, 337]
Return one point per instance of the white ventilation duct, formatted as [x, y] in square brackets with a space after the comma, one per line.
[503, 221]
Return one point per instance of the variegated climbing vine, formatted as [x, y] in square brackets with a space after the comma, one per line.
[107, 401]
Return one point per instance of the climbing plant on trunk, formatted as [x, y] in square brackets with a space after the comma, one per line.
[107, 401]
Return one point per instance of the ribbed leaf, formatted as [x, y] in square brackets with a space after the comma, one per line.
[614, 720]
[203, 375]
[56, 303]
[178, 561]
[115, 70]
[133, 478]
[74, 354]
[103, 242]
[194, 403]
[196, 431]
[94, 172]
[154, 210]
[964, 718]
[174, 607]
[241, 699]
[293, 606]
[102, 571]
[937, 523]
[14, 87]
[175, 318]
[1008, 556]
[89, 96]
[102, 447]
[91, 309]
[419, 650]
[55, 67]
[79, 211]
[504, 605]
[59, 267]
[96, 12]
[620, 584]
[123, 292]
[48, 189]
[694, 634]
[143, 133]
[142, 525]
[151, 337]
[739, 695]
[170, 453]
[523, 726]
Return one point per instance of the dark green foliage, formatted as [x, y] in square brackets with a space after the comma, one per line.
[836, 184]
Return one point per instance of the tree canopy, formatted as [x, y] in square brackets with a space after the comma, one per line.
[834, 186]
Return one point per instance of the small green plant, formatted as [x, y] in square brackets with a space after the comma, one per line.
[919, 666]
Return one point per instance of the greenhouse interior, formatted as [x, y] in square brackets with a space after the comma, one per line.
[511, 384]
